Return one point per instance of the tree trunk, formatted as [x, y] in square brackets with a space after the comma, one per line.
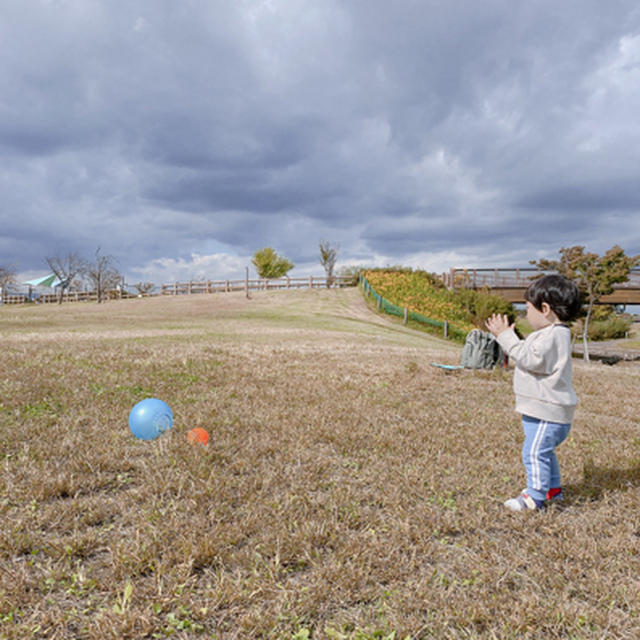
[585, 332]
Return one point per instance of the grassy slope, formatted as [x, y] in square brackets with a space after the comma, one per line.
[414, 290]
[348, 488]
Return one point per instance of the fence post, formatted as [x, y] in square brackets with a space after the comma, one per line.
[446, 329]
[310, 282]
[246, 282]
[379, 301]
[406, 312]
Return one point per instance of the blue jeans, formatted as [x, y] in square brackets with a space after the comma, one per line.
[540, 440]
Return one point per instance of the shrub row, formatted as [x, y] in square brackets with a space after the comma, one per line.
[605, 324]
[425, 293]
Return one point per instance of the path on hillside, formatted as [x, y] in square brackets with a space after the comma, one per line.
[358, 309]
[623, 349]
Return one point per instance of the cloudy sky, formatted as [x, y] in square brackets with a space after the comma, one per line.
[180, 136]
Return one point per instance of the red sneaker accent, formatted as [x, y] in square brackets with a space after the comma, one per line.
[553, 492]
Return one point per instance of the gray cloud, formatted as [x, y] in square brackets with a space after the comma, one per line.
[417, 133]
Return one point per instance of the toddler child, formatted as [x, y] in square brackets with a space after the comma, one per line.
[542, 383]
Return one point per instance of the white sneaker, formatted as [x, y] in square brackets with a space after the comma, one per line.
[524, 502]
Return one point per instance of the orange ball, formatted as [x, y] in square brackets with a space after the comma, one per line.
[198, 435]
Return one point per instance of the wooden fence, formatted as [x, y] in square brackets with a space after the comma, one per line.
[191, 287]
[255, 284]
[69, 296]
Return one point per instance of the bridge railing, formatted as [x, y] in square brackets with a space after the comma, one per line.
[512, 278]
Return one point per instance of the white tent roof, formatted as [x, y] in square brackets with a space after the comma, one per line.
[47, 281]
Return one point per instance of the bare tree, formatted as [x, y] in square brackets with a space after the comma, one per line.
[144, 288]
[67, 269]
[7, 276]
[328, 257]
[103, 275]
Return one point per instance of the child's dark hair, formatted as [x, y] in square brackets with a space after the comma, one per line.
[560, 293]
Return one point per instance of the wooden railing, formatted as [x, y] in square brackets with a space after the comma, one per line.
[192, 287]
[68, 296]
[512, 283]
[254, 284]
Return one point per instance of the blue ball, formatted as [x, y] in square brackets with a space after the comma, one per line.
[150, 418]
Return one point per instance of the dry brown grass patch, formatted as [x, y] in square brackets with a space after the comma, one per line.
[349, 490]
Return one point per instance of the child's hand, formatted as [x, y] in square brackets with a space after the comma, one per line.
[497, 324]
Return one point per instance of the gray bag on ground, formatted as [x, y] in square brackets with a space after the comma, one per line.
[481, 351]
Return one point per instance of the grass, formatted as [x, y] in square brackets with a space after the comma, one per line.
[349, 490]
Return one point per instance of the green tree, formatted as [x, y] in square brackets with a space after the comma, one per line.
[269, 264]
[595, 275]
[328, 257]
[480, 305]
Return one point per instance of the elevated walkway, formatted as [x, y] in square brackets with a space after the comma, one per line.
[512, 283]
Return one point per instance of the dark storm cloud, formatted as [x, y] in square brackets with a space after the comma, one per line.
[587, 198]
[423, 133]
[220, 191]
[392, 236]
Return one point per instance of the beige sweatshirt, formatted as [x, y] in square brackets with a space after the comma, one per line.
[542, 379]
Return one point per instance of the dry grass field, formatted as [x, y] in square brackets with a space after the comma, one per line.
[349, 490]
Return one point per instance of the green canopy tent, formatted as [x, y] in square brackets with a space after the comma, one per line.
[51, 280]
